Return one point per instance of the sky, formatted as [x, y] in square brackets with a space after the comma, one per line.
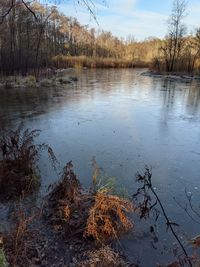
[137, 18]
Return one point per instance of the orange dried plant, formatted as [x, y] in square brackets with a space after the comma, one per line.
[108, 218]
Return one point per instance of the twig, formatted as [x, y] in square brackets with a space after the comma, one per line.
[147, 185]
[169, 224]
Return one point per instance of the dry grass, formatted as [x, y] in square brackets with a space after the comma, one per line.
[181, 66]
[17, 241]
[108, 218]
[61, 61]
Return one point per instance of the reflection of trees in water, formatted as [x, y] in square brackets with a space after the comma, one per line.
[26, 103]
[168, 93]
[165, 91]
[108, 80]
[193, 99]
[178, 94]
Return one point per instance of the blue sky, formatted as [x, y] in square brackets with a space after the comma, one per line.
[138, 18]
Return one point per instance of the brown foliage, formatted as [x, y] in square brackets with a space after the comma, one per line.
[75, 212]
[68, 187]
[68, 205]
[18, 163]
[107, 217]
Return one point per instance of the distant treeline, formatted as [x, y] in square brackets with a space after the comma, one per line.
[55, 40]
[41, 37]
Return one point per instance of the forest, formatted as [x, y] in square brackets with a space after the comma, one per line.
[35, 36]
[55, 40]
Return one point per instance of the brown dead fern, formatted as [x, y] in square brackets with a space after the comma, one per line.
[18, 170]
[19, 156]
[108, 218]
[68, 205]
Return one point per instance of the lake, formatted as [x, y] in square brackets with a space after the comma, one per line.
[125, 121]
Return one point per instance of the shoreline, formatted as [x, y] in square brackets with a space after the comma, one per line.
[59, 78]
[49, 77]
[172, 76]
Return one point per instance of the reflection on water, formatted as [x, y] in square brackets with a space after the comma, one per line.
[126, 121]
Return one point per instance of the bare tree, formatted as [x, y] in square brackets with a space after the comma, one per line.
[174, 43]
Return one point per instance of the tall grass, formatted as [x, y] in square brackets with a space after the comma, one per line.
[182, 66]
[61, 61]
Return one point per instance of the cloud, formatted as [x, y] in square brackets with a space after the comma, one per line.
[132, 17]
[139, 24]
[122, 7]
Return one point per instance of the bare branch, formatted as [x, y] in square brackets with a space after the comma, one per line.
[25, 4]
